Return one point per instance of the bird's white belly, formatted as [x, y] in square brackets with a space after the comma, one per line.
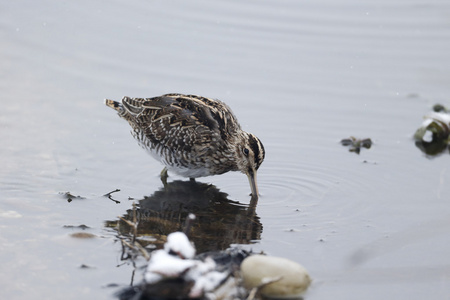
[166, 158]
[186, 172]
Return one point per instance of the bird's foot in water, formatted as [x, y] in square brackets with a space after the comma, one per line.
[164, 176]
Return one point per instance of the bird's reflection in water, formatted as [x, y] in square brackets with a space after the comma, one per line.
[219, 221]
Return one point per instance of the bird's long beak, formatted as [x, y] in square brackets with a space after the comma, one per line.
[253, 185]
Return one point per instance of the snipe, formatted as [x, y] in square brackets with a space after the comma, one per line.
[192, 136]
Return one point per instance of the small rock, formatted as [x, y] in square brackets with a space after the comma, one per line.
[83, 235]
[83, 266]
[259, 269]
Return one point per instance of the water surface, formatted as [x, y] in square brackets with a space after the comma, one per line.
[299, 75]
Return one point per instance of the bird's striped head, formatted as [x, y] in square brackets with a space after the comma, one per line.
[251, 153]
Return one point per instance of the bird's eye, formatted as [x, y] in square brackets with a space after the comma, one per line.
[245, 151]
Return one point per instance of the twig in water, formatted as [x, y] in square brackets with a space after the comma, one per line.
[110, 197]
[109, 194]
[135, 245]
[188, 224]
[264, 282]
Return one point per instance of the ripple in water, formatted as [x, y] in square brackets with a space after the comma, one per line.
[291, 181]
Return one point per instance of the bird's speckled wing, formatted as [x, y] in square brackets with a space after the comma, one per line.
[181, 122]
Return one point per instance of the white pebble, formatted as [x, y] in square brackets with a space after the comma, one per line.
[258, 269]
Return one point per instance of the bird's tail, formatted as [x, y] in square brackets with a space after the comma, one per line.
[114, 105]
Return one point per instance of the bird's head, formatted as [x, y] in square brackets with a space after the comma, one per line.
[250, 152]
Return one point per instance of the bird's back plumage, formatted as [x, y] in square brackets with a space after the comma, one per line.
[186, 132]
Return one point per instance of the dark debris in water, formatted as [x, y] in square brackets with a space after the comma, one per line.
[440, 108]
[69, 196]
[83, 266]
[356, 144]
[82, 226]
[433, 137]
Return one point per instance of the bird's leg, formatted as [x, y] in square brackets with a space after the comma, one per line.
[164, 176]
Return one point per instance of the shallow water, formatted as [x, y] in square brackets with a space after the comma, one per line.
[299, 75]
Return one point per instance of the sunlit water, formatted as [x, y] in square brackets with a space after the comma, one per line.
[299, 75]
